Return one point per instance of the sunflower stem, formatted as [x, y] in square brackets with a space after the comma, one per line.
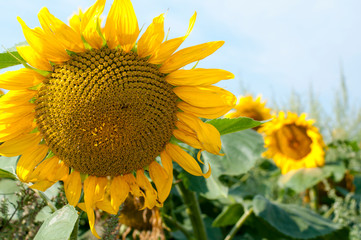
[314, 198]
[187, 234]
[239, 224]
[194, 211]
[46, 199]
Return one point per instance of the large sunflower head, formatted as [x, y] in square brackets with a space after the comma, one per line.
[99, 103]
[252, 108]
[293, 142]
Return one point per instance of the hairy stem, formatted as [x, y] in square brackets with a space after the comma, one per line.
[194, 211]
[239, 224]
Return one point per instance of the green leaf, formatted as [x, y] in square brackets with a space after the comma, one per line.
[241, 150]
[8, 59]
[227, 125]
[59, 225]
[229, 216]
[6, 174]
[8, 163]
[301, 179]
[292, 220]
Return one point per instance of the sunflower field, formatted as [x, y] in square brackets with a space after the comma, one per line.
[109, 130]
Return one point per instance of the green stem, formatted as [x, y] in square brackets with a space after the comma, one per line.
[178, 225]
[194, 211]
[313, 198]
[46, 199]
[239, 224]
[74, 233]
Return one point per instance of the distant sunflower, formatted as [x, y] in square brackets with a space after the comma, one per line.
[96, 107]
[252, 108]
[1, 92]
[145, 224]
[293, 142]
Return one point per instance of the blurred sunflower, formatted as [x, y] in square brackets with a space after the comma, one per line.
[1, 92]
[252, 108]
[293, 142]
[96, 107]
[145, 224]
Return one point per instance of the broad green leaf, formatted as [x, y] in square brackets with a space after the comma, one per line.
[301, 179]
[8, 59]
[227, 125]
[292, 220]
[8, 163]
[6, 174]
[58, 225]
[229, 216]
[241, 150]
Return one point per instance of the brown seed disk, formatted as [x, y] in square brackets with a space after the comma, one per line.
[106, 113]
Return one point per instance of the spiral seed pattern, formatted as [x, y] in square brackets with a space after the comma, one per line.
[106, 112]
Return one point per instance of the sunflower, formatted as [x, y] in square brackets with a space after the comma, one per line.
[293, 142]
[252, 108]
[100, 109]
[145, 224]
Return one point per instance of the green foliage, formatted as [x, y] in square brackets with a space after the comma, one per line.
[226, 125]
[302, 179]
[9, 59]
[6, 174]
[292, 220]
[59, 225]
[241, 150]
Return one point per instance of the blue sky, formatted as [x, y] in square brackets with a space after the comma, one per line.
[272, 46]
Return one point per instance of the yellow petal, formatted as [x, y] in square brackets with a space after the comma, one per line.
[15, 129]
[119, 190]
[106, 206]
[167, 48]
[15, 114]
[29, 160]
[70, 39]
[187, 138]
[50, 169]
[209, 96]
[75, 22]
[19, 145]
[167, 162]
[197, 77]
[186, 161]
[72, 187]
[81, 206]
[207, 112]
[89, 200]
[20, 79]
[208, 135]
[162, 180]
[150, 198]
[45, 44]
[188, 55]
[101, 184]
[16, 98]
[91, 34]
[42, 185]
[91, 13]
[133, 186]
[152, 38]
[121, 26]
[33, 58]
[61, 173]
